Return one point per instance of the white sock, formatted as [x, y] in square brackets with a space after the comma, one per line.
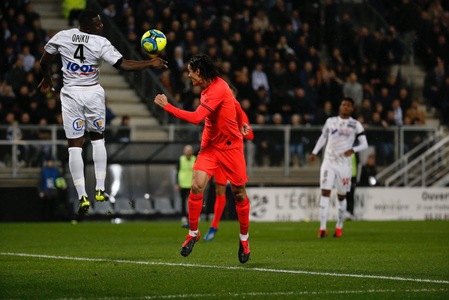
[99, 157]
[341, 212]
[76, 166]
[324, 208]
[244, 237]
[193, 232]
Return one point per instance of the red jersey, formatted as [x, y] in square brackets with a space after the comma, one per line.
[222, 117]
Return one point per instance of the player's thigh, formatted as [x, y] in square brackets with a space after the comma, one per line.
[72, 110]
[343, 179]
[206, 161]
[95, 109]
[220, 177]
[233, 164]
[327, 176]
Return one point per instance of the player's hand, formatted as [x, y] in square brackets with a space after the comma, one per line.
[45, 86]
[158, 63]
[348, 152]
[161, 100]
[245, 129]
[312, 158]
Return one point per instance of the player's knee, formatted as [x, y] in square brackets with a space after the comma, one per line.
[341, 197]
[196, 188]
[325, 193]
[240, 195]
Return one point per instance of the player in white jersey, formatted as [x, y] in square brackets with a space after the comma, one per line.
[340, 133]
[82, 52]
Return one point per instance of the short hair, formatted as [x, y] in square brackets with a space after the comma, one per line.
[86, 16]
[207, 67]
[349, 99]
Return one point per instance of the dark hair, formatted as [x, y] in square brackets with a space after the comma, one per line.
[86, 16]
[207, 67]
[349, 99]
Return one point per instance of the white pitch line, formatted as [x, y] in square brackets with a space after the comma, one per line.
[224, 267]
[240, 295]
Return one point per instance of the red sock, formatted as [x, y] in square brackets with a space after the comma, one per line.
[220, 203]
[195, 204]
[242, 209]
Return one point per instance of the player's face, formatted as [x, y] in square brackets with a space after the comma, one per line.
[194, 76]
[346, 109]
[96, 26]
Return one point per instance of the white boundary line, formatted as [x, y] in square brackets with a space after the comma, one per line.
[239, 295]
[223, 267]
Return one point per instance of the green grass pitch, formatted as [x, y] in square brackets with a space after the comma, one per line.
[141, 260]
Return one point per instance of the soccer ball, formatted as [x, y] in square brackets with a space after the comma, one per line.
[153, 41]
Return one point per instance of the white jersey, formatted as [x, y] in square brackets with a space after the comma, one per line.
[82, 55]
[340, 134]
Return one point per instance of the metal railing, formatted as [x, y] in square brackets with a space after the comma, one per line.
[21, 144]
[424, 170]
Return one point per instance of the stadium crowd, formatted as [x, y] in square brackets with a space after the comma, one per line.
[288, 68]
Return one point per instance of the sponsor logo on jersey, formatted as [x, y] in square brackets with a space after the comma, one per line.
[78, 124]
[341, 132]
[352, 124]
[99, 123]
[83, 69]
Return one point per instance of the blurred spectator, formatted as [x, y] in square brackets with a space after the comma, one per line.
[259, 78]
[72, 9]
[443, 96]
[324, 113]
[17, 74]
[264, 147]
[432, 83]
[397, 113]
[123, 134]
[416, 115]
[365, 110]
[405, 99]
[297, 155]
[27, 59]
[383, 141]
[277, 141]
[353, 89]
[51, 191]
[369, 172]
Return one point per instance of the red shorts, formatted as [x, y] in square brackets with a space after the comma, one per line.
[230, 164]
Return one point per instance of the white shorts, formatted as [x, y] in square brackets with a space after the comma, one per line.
[83, 108]
[336, 176]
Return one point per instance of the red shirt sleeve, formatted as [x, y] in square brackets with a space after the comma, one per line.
[194, 117]
[250, 135]
[239, 112]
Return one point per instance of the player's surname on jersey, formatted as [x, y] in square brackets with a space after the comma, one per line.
[80, 38]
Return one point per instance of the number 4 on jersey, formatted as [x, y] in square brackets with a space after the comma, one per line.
[79, 53]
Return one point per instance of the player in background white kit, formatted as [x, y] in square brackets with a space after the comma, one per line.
[82, 52]
[340, 133]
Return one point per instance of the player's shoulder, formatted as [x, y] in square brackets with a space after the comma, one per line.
[354, 123]
[332, 119]
[66, 32]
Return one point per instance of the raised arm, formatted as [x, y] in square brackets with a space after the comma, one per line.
[194, 117]
[135, 65]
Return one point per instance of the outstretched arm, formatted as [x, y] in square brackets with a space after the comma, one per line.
[135, 65]
[194, 117]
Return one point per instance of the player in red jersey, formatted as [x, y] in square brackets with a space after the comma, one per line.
[221, 182]
[221, 150]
